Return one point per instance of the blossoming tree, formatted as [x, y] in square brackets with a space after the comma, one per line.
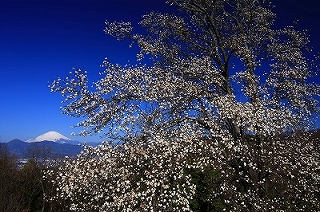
[222, 89]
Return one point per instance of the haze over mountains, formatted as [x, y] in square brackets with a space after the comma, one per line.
[55, 145]
[50, 144]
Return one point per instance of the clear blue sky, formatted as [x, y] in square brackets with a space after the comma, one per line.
[43, 39]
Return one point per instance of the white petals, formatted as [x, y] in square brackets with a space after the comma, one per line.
[205, 99]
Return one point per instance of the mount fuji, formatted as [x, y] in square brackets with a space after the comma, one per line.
[50, 144]
[53, 136]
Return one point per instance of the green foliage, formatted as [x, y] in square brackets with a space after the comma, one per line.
[207, 183]
[22, 188]
[30, 177]
[10, 198]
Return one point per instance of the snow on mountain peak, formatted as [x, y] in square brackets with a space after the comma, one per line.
[50, 136]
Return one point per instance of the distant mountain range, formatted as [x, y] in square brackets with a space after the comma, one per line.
[55, 145]
[51, 144]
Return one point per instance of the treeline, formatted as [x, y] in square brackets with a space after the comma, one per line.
[23, 188]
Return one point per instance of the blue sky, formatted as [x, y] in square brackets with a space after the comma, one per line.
[41, 40]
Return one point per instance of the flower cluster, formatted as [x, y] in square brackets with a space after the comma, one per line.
[205, 99]
[151, 175]
[143, 175]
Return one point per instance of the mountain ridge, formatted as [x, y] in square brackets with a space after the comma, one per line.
[51, 144]
[44, 149]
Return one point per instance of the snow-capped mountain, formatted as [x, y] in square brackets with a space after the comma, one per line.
[52, 144]
[54, 137]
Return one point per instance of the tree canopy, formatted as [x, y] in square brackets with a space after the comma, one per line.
[220, 58]
[221, 88]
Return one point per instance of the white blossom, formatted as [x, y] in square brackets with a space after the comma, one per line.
[205, 99]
